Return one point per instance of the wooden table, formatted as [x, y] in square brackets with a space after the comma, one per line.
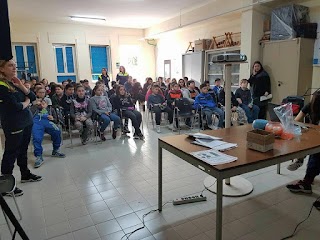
[248, 160]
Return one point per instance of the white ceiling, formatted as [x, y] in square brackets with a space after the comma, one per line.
[119, 13]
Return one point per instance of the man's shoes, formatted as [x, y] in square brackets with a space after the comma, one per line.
[301, 187]
[158, 129]
[30, 178]
[206, 127]
[295, 165]
[57, 153]
[114, 133]
[39, 161]
[316, 204]
[135, 136]
[17, 192]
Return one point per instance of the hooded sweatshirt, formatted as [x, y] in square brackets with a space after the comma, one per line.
[204, 100]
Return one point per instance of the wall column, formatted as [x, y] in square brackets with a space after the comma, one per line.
[251, 32]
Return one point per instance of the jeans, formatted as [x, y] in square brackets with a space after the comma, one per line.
[38, 130]
[208, 113]
[252, 113]
[313, 168]
[135, 118]
[157, 110]
[106, 119]
[16, 147]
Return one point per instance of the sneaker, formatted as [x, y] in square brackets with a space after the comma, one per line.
[17, 192]
[172, 127]
[84, 141]
[141, 136]
[57, 153]
[300, 186]
[136, 136]
[114, 133]
[31, 178]
[39, 161]
[316, 204]
[101, 135]
[126, 130]
[206, 127]
[158, 129]
[295, 165]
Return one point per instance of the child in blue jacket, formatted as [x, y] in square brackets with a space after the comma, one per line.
[205, 101]
[43, 122]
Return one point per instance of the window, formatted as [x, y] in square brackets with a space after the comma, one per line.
[65, 65]
[99, 56]
[25, 57]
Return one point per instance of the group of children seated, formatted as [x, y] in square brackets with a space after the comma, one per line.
[206, 100]
[79, 106]
[76, 104]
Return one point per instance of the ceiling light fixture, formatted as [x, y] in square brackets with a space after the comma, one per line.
[88, 19]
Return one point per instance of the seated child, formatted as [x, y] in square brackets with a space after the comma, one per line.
[242, 118]
[41, 95]
[243, 96]
[174, 93]
[205, 101]
[81, 112]
[123, 103]
[43, 123]
[158, 104]
[102, 106]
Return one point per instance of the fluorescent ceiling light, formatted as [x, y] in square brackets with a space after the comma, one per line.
[88, 19]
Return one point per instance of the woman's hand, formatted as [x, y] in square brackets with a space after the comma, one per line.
[16, 81]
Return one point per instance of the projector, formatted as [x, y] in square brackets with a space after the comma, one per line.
[228, 57]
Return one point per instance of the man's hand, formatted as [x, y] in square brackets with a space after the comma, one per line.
[107, 113]
[266, 93]
[250, 105]
[50, 117]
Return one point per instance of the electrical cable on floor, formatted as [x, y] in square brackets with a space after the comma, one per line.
[294, 232]
[127, 235]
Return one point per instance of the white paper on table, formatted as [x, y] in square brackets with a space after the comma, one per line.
[204, 136]
[264, 98]
[214, 157]
[215, 144]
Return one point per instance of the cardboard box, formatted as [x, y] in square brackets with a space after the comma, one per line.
[202, 44]
[260, 140]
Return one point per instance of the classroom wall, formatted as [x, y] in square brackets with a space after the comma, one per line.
[171, 45]
[315, 17]
[44, 35]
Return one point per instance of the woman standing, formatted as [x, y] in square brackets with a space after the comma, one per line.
[105, 77]
[260, 86]
[122, 76]
[16, 120]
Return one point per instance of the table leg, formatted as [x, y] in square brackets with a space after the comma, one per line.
[219, 209]
[278, 168]
[159, 178]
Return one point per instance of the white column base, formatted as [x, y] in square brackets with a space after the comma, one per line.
[239, 186]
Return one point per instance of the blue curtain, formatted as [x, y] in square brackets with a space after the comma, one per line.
[60, 62]
[70, 63]
[31, 59]
[99, 58]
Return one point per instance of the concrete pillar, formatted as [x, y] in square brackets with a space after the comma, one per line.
[251, 32]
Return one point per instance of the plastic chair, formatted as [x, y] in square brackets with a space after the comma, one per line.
[8, 185]
[183, 110]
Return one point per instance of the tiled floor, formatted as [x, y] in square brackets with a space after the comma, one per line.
[101, 191]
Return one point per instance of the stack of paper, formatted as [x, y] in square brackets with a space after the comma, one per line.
[214, 157]
[212, 142]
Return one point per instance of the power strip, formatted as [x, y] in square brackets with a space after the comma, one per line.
[191, 199]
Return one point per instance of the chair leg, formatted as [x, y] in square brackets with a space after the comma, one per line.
[17, 206]
[70, 131]
[7, 221]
